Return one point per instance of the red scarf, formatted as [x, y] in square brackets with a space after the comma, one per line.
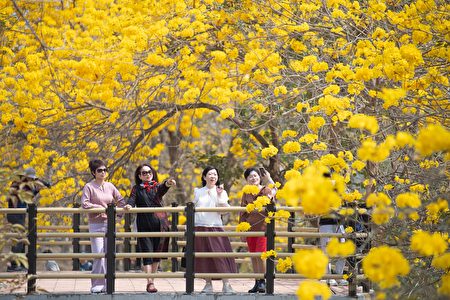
[149, 185]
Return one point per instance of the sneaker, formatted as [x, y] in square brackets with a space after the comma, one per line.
[332, 282]
[227, 289]
[208, 288]
[342, 282]
[98, 289]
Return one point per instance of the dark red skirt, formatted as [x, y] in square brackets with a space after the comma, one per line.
[213, 244]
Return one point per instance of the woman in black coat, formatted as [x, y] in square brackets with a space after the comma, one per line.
[148, 193]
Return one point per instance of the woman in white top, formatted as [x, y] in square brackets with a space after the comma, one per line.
[212, 194]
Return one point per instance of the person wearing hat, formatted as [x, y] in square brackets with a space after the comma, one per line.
[22, 191]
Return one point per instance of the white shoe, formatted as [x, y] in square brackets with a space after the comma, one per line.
[98, 289]
[332, 282]
[227, 289]
[342, 282]
[208, 288]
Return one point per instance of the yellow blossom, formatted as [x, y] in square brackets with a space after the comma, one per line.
[442, 261]
[432, 139]
[408, 200]
[250, 207]
[227, 113]
[308, 138]
[312, 290]
[299, 164]
[337, 249]
[364, 122]
[269, 152]
[243, 226]
[378, 199]
[391, 97]
[358, 165]
[429, 244]
[289, 133]
[291, 147]
[268, 254]
[283, 265]
[311, 263]
[444, 288]
[250, 189]
[349, 229]
[315, 123]
[382, 215]
[383, 264]
[388, 187]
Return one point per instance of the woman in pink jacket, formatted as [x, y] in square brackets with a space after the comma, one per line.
[98, 193]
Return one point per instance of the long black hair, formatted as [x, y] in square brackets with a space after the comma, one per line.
[206, 170]
[138, 172]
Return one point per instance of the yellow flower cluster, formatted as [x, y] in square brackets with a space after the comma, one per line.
[289, 133]
[250, 189]
[269, 152]
[353, 196]
[312, 290]
[408, 200]
[369, 149]
[427, 164]
[346, 211]
[283, 265]
[378, 199]
[391, 97]
[260, 108]
[444, 288]
[349, 229]
[382, 212]
[335, 162]
[358, 165]
[383, 264]
[382, 215]
[291, 147]
[243, 226]
[269, 254]
[362, 121]
[311, 263]
[316, 193]
[258, 204]
[418, 188]
[442, 261]
[435, 209]
[227, 113]
[429, 243]
[315, 123]
[433, 138]
[300, 164]
[335, 248]
[319, 146]
[308, 138]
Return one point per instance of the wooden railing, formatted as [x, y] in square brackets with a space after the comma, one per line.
[177, 233]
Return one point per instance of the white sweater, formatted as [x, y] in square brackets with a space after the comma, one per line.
[204, 197]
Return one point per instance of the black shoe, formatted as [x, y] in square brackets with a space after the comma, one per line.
[254, 289]
[262, 286]
[16, 269]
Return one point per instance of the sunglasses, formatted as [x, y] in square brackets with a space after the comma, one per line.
[146, 173]
[101, 170]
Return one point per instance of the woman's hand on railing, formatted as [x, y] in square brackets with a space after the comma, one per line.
[127, 207]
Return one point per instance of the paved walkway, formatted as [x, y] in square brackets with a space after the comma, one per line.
[172, 285]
